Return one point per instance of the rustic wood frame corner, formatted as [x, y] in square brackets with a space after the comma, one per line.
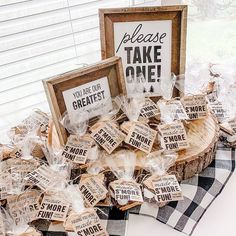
[178, 15]
[112, 68]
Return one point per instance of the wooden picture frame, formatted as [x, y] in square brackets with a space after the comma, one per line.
[176, 14]
[55, 87]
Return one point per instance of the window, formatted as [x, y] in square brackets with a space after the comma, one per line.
[39, 39]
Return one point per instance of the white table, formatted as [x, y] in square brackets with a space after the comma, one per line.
[219, 219]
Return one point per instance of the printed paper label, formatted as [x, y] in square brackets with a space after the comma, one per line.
[149, 109]
[92, 97]
[125, 190]
[218, 110]
[173, 136]
[141, 136]
[108, 136]
[167, 189]
[53, 208]
[42, 177]
[92, 190]
[195, 106]
[88, 224]
[145, 49]
[24, 207]
[77, 149]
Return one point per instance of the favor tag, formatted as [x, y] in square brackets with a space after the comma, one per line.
[232, 124]
[195, 106]
[177, 110]
[88, 223]
[53, 208]
[42, 177]
[77, 149]
[167, 189]
[149, 109]
[6, 185]
[141, 136]
[24, 206]
[127, 191]
[173, 136]
[92, 190]
[108, 136]
[218, 110]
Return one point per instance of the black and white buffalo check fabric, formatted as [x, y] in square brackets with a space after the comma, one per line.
[199, 192]
[114, 220]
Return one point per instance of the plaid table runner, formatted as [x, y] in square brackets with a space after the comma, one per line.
[114, 220]
[199, 192]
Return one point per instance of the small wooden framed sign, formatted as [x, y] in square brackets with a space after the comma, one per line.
[150, 40]
[87, 89]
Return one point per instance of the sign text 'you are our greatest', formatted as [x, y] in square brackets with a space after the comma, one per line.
[145, 49]
[89, 97]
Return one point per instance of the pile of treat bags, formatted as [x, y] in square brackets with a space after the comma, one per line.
[101, 165]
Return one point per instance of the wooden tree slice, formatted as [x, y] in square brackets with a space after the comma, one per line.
[203, 135]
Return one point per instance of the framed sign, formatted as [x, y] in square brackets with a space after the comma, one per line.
[87, 89]
[150, 40]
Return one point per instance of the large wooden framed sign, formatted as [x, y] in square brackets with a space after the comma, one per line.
[87, 89]
[150, 40]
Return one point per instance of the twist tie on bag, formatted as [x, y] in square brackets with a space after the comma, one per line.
[82, 219]
[160, 186]
[125, 189]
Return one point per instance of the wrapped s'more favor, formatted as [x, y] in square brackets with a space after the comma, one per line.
[106, 131]
[92, 184]
[172, 132]
[17, 220]
[125, 191]
[81, 219]
[160, 187]
[139, 134]
[76, 150]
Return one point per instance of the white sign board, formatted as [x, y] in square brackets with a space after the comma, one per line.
[145, 49]
[92, 97]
